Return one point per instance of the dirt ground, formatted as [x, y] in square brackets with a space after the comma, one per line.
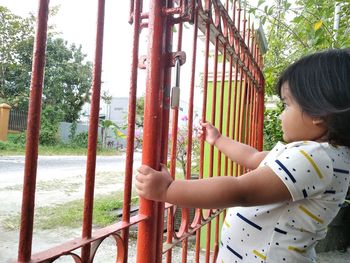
[55, 188]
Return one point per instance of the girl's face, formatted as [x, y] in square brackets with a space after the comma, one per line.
[297, 125]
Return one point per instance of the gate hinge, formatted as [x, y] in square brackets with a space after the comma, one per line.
[185, 11]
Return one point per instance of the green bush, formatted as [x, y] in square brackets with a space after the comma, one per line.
[10, 147]
[3, 145]
[48, 136]
[50, 119]
[272, 128]
[18, 139]
[80, 140]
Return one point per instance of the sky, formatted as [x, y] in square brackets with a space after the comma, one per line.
[76, 21]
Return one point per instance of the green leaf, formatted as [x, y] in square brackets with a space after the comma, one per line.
[287, 5]
[271, 10]
[252, 10]
[260, 2]
[296, 19]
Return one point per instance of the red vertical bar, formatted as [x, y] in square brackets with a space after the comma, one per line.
[131, 11]
[191, 99]
[244, 114]
[185, 211]
[204, 111]
[229, 109]
[246, 121]
[198, 214]
[247, 115]
[255, 117]
[252, 86]
[205, 93]
[164, 137]
[234, 12]
[213, 118]
[136, 5]
[243, 77]
[239, 112]
[33, 127]
[147, 236]
[233, 165]
[251, 112]
[93, 132]
[221, 106]
[167, 85]
[234, 113]
[261, 119]
[239, 96]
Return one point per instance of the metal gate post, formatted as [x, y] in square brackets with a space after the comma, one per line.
[93, 133]
[36, 88]
[147, 230]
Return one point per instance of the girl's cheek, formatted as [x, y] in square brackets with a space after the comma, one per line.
[281, 116]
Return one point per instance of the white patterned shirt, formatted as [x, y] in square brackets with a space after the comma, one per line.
[317, 177]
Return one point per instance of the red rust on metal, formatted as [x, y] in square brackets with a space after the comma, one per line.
[30, 167]
[146, 239]
[192, 231]
[131, 124]
[191, 100]
[228, 114]
[166, 107]
[93, 132]
[131, 12]
[164, 137]
[170, 59]
[185, 212]
[74, 244]
[244, 111]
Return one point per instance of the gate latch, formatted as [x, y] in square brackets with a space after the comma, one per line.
[175, 91]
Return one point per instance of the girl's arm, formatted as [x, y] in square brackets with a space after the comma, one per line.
[258, 187]
[241, 153]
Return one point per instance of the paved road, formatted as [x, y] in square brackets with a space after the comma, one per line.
[60, 179]
[58, 167]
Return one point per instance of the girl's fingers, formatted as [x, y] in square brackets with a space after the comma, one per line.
[139, 178]
[139, 187]
[145, 169]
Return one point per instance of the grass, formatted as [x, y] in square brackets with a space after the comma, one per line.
[70, 214]
[15, 145]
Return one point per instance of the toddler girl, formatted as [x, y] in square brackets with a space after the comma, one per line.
[281, 208]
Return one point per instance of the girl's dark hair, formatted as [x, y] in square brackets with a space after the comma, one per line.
[320, 84]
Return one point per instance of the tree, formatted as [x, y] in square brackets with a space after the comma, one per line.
[298, 29]
[294, 29]
[67, 73]
[67, 78]
[14, 75]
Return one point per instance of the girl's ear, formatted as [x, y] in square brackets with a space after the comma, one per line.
[317, 121]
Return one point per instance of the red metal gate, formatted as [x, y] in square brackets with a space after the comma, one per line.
[232, 98]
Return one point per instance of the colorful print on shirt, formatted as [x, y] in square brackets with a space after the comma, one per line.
[317, 176]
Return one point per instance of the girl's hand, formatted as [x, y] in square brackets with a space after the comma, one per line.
[211, 133]
[152, 184]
